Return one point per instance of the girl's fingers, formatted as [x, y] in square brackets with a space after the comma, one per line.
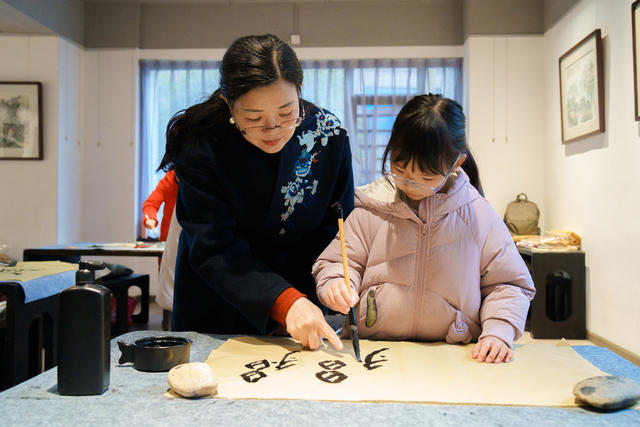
[348, 295]
[495, 349]
[482, 352]
[510, 355]
[341, 298]
[336, 300]
[340, 301]
[475, 350]
[502, 355]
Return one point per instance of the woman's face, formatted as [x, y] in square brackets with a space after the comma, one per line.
[259, 115]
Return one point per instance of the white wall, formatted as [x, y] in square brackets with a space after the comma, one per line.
[110, 210]
[70, 143]
[28, 206]
[110, 152]
[504, 107]
[592, 184]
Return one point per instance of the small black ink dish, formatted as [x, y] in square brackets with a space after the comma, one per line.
[155, 354]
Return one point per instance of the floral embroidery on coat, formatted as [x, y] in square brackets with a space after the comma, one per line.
[302, 184]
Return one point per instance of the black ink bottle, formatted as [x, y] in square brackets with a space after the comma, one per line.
[84, 334]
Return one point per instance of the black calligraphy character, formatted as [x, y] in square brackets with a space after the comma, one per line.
[256, 374]
[332, 376]
[284, 363]
[372, 364]
[332, 364]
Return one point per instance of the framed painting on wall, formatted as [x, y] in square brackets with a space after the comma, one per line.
[20, 121]
[582, 89]
[635, 17]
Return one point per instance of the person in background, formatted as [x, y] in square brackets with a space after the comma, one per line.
[259, 170]
[165, 192]
[166, 273]
[429, 258]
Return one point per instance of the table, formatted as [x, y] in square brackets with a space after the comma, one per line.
[71, 252]
[137, 398]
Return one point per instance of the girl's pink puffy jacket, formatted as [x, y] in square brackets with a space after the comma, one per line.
[451, 273]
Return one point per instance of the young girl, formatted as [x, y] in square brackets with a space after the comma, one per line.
[429, 258]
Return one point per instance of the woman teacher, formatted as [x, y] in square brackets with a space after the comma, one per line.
[259, 171]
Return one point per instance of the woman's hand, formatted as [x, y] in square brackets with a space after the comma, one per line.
[306, 323]
[338, 296]
[492, 350]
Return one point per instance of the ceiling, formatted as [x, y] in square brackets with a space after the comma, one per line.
[14, 21]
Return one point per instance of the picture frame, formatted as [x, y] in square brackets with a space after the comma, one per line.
[582, 89]
[635, 18]
[21, 121]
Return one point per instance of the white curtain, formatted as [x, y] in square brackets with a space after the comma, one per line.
[167, 87]
[366, 95]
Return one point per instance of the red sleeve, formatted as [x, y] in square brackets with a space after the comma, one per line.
[157, 197]
[283, 304]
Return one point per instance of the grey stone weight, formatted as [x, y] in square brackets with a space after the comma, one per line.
[608, 392]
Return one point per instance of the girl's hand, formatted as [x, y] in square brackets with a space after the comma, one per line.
[492, 350]
[306, 323]
[338, 296]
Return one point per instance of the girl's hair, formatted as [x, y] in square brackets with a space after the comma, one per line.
[429, 131]
[249, 63]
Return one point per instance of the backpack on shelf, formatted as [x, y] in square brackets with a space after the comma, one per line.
[521, 216]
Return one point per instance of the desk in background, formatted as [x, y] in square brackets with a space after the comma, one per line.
[72, 252]
[28, 335]
[136, 397]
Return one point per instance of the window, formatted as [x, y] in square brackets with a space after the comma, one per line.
[365, 95]
[167, 87]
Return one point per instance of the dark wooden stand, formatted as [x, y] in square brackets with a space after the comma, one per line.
[559, 307]
[30, 328]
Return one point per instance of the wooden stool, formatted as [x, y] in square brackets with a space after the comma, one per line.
[119, 287]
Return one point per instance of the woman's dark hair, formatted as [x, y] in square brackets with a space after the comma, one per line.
[429, 130]
[249, 63]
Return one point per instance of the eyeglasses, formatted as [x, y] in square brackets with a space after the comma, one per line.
[285, 124]
[420, 186]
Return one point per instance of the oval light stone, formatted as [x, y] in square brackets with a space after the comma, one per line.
[608, 392]
[195, 379]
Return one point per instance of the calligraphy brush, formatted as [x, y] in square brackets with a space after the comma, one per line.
[353, 325]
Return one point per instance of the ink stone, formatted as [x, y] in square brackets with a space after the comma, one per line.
[608, 392]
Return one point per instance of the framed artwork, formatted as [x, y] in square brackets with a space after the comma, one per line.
[635, 17]
[20, 120]
[582, 89]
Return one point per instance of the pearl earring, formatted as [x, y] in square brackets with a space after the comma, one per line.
[232, 121]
